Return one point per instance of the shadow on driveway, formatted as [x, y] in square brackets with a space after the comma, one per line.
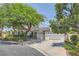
[59, 44]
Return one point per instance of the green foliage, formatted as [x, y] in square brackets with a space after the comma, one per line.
[69, 46]
[59, 10]
[22, 15]
[9, 38]
[19, 17]
[67, 21]
[72, 46]
[74, 39]
[14, 37]
[77, 44]
[18, 14]
[67, 16]
[59, 26]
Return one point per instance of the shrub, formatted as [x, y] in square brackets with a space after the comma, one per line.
[8, 38]
[74, 39]
[69, 46]
[15, 37]
[73, 46]
[77, 44]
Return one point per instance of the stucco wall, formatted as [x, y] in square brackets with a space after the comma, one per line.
[54, 36]
[40, 35]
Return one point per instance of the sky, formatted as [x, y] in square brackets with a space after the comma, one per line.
[46, 9]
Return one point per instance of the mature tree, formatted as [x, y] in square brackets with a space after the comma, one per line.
[3, 19]
[67, 18]
[22, 16]
[19, 17]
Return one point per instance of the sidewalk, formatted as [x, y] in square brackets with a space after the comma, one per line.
[49, 49]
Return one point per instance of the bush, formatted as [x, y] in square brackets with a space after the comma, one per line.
[69, 46]
[73, 52]
[15, 37]
[9, 38]
[77, 44]
[74, 39]
[73, 46]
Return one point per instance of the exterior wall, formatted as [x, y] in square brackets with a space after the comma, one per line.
[34, 35]
[54, 36]
[40, 35]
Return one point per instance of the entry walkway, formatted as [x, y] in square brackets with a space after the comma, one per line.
[51, 47]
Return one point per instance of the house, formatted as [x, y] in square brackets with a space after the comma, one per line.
[39, 33]
[36, 33]
[45, 33]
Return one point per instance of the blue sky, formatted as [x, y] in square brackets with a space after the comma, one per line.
[46, 9]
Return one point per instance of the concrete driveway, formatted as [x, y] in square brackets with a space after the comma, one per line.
[51, 47]
[18, 50]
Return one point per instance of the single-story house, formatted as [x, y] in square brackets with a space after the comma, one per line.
[39, 33]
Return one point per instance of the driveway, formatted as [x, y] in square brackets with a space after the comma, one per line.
[18, 50]
[51, 47]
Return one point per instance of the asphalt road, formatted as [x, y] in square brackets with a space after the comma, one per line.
[18, 50]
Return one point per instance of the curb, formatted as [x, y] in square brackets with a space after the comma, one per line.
[41, 51]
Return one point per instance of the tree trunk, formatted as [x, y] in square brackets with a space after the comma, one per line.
[27, 29]
[67, 36]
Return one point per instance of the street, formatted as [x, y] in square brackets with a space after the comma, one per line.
[18, 50]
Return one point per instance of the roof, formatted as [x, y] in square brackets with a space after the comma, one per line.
[41, 29]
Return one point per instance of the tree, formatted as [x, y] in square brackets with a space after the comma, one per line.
[3, 19]
[67, 18]
[22, 15]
